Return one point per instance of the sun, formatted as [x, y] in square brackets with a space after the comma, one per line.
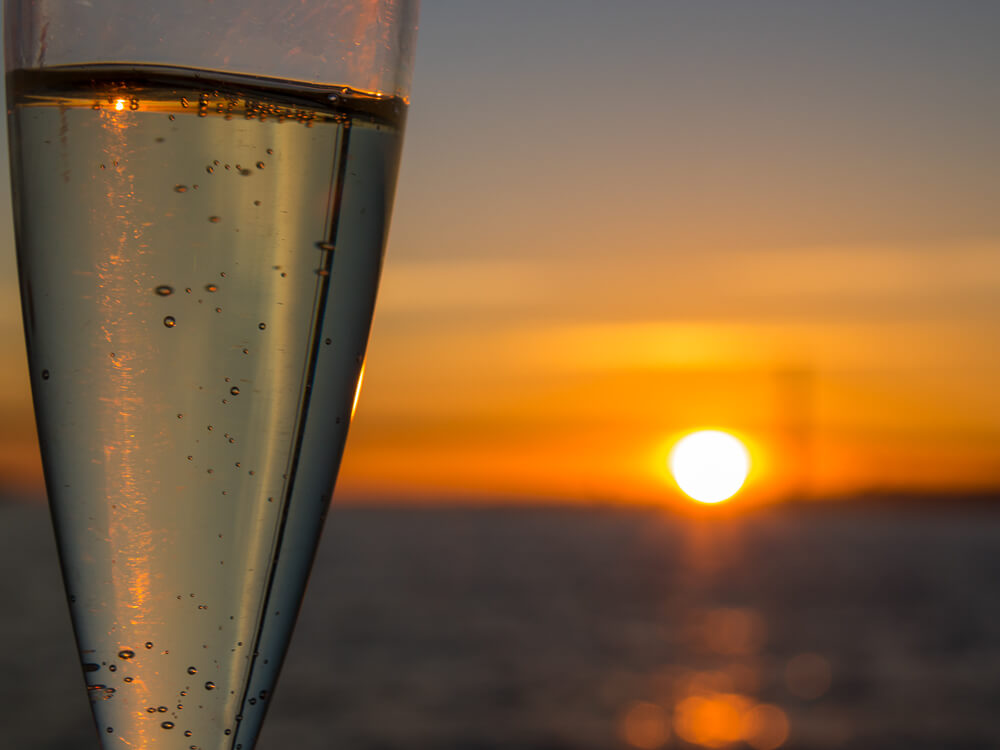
[710, 465]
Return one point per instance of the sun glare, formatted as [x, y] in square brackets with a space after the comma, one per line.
[709, 466]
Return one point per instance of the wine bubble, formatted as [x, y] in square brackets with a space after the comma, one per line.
[210, 169]
[163, 290]
[91, 667]
[209, 686]
[149, 644]
[180, 188]
[235, 391]
[192, 670]
[262, 326]
[214, 219]
[211, 288]
[161, 709]
[169, 321]
[260, 165]
[45, 374]
[126, 654]
[167, 725]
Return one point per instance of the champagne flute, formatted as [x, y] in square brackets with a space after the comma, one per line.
[202, 194]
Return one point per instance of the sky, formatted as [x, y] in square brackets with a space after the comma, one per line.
[620, 222]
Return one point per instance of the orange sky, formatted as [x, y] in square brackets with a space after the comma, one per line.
[615, 226]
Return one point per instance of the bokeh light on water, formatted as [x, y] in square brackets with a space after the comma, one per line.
[537, 629]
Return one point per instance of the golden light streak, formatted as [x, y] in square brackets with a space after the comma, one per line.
[126, 483]
[357, 390]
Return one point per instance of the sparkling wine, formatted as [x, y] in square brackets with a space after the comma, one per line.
[199, 257]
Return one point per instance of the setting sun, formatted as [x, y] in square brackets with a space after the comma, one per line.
[709, 466]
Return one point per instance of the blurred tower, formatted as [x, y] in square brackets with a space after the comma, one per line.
[794, 419]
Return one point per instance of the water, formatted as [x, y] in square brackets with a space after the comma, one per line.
[199, 258]
[539, 629]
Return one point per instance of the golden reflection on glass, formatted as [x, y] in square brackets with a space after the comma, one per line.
[808, 676]
[764, 727]
[357, 390]
[646, 726]
[130, 535]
